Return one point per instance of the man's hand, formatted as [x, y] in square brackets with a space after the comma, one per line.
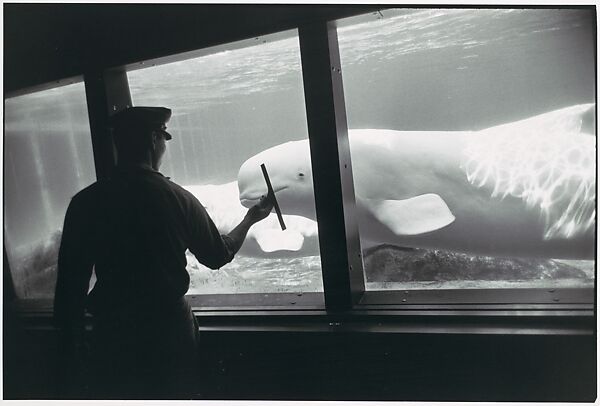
[255, 214]
[260, 210]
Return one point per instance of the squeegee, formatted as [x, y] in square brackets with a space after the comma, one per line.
[272, 195]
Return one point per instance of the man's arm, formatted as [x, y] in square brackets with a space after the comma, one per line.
[210, 247]
[74, 270]
[255, 214]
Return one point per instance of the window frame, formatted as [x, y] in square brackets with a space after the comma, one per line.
[345, 297]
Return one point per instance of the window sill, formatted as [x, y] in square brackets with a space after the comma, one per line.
[491, 311]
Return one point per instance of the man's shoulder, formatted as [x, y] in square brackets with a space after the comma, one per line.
[183, 193]
[87, 192]
[101, 189]
[177, 187]
[85, 198]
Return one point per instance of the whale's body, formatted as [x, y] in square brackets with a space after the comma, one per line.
[525, 188]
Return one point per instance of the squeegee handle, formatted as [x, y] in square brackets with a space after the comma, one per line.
[272, 195]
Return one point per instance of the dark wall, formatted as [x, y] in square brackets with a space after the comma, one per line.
[47, 42]
[364, 366]
[350, 366]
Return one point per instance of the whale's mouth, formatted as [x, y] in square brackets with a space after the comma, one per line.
[249, 199]
[246, 202]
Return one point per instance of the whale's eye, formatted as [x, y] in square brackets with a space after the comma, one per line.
[301, 174]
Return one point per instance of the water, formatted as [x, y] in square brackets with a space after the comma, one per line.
[465, 69]
[445, 70]
[47, 159]
[420, 70]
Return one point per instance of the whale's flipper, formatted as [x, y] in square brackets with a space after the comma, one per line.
[271, 240]
[417, 215]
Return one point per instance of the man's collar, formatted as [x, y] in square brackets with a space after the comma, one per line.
[137, 167]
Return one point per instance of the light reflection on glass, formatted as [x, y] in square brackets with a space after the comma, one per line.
[47, 159]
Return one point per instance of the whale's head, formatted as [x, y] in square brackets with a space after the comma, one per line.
[290, 173]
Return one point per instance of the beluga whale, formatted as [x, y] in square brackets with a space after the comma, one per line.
[520, 189]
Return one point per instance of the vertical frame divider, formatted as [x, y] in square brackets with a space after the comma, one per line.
[341, 256]
[107, 92]
[8, 283]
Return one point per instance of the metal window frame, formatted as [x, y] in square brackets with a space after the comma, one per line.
[8, 284]
[339, 242]
[44, 86]
[107, 92]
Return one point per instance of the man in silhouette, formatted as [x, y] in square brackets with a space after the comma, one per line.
[133, 230]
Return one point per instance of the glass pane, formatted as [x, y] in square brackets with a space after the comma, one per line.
[473, 146]
[230, 104]
[48, 158]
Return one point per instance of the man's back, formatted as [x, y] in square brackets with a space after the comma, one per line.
[140, 239]
[135, 228]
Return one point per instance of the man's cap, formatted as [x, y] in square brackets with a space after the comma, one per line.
[144, 117]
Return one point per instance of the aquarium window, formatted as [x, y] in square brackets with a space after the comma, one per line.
[229, 104]
[472, 139]
[47, 159]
